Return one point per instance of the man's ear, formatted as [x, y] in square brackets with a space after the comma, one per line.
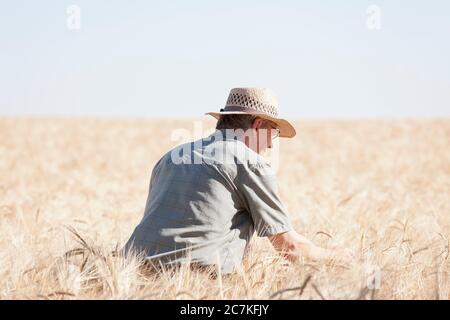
[257, 123]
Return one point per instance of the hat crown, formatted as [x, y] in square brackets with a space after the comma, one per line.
[256, 99]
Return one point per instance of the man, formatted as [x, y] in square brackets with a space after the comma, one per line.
[208, 197]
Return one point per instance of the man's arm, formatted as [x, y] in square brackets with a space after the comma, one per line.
[295, 246]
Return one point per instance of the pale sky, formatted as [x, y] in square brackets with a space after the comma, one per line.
[181, 58]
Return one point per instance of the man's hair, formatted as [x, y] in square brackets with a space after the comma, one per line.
[237, 121]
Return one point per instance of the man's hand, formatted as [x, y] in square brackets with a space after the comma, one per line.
[295, 246]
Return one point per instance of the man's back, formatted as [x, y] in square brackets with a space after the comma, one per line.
[209, 196]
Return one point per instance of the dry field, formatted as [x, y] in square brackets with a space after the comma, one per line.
[72, 190]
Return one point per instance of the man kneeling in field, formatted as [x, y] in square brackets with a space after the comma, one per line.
[208, 197]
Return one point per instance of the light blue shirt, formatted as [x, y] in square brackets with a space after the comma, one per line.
[206, 199]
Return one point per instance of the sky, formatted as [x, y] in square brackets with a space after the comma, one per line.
[327, 59]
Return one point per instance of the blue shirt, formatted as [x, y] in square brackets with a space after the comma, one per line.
[206, 199]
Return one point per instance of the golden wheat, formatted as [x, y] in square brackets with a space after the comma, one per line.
[72, 190]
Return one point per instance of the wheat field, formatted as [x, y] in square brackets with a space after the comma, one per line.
[73, 189]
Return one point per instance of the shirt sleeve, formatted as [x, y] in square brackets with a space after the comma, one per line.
[259, 188]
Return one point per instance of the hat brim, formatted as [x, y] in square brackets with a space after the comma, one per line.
[287, 130]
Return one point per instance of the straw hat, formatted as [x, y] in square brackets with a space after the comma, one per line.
[256, 101]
